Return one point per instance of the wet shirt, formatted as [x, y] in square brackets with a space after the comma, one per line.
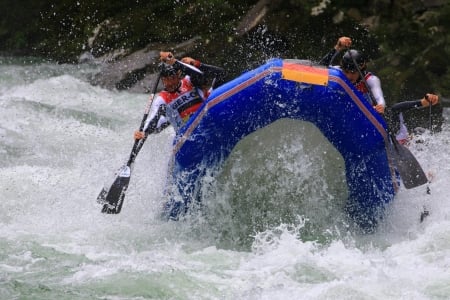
[178, 106]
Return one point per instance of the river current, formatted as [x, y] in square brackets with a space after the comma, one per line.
[273, 227]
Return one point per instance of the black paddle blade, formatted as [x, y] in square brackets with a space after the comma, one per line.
[407, 165]
[101, 198]
[112, 199]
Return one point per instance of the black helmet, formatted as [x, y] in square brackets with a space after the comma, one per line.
[166, 69]
[349, 57]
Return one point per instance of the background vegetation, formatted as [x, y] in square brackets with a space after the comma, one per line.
[408, 41]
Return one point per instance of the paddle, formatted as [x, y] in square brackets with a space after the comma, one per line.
[425, 213]
[407, 165]
[112, 198]
[430, 114]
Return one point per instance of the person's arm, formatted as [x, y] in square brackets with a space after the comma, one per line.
[374, 84]
[343, 43]
[210, 72]
[424, 102]
[190, 68]
[393, 114]
[200, 74]
[213, 72]
[327, 60]
[406, 105]
[156, 121]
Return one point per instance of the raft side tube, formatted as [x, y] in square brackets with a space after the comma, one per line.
[287, 89]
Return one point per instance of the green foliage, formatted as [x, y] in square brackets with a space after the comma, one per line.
[18, 25]
[66, 26]
[408, 44]
[415, 44]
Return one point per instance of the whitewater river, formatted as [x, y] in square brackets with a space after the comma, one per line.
[272, 228]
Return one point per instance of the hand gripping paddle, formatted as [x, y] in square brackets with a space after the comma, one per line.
[112, 198]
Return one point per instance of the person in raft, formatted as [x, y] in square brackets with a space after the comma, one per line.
[353, 72]
[393, 115]
[186, 85]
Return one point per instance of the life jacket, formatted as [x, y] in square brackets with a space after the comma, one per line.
[360, 86]
[186, 100]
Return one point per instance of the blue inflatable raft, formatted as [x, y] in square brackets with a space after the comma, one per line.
[287, 89]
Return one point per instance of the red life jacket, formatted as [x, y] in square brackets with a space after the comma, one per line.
[360, 86]
[185, 100]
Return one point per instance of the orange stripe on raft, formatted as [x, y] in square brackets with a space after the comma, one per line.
[304, 74]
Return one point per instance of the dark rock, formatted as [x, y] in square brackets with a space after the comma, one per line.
[126, 72]
[136, 72]
[255, 15]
